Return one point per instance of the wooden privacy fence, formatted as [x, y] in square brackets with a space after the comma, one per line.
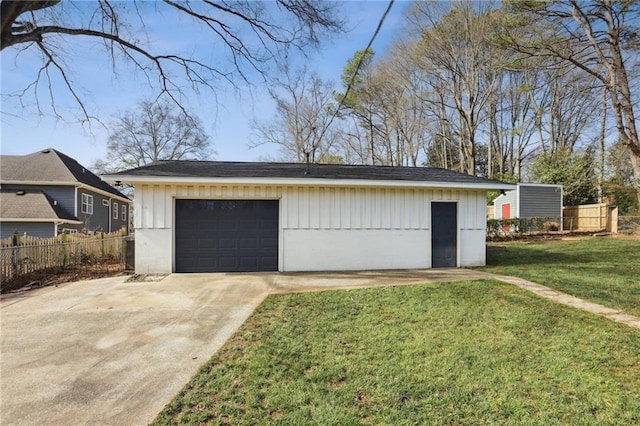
[21, 255]
[590, 217]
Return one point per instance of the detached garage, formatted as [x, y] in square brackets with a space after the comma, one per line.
[209, 216]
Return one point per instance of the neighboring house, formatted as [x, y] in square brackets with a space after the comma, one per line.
[529, 200]
[46, 193]
[207, 216]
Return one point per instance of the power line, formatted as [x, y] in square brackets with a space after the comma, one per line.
[355, 73]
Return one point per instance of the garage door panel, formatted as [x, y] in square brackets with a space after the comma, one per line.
[249, 262]
[269, 263]
[206, 244]
[230, 224]
[269, 243]
[226, 235]
[227, 262]
[248, 244]
[250, 225]
[228, 244]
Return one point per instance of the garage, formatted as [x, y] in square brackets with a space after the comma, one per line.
[222, 216]
[226, 235]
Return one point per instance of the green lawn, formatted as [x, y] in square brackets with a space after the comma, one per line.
[601, 270]
[480, 352]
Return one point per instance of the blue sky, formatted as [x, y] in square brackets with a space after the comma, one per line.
[226, 116]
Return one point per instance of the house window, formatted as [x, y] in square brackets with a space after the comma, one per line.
[124, 212]
[87, 204]
[115, 210]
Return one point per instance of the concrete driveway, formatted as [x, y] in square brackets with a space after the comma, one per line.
[111, 352]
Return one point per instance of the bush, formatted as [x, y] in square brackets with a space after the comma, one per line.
[521, 226]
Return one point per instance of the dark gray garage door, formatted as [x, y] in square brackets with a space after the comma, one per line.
[226, 235]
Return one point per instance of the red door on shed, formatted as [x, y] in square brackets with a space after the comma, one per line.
[506, 214]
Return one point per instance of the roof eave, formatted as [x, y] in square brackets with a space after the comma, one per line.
[307, 181]
[41, 220]
[64, 183]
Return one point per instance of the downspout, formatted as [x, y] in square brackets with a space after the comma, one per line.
[517, 202]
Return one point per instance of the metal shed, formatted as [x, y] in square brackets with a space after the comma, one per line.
[529, 200]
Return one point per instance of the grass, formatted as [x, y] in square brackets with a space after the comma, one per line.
[480, 352]
[601, 270]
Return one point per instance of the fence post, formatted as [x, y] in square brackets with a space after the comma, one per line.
[64, 249]
[15, 241]
[614, 220]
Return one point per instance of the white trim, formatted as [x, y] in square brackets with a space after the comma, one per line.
[88, 204]
[541, 184]
[280, 236]
[308, 182]
[517, 216]
[74, 184]
[101, 192]
[40, 220]
[39, 182]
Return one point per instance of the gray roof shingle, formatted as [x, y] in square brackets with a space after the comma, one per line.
[226, 169]
[50, 165]
[30, 205]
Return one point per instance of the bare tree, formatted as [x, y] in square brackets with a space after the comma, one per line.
[247, 37]
[152, 132]
[594, 37]
[461, 64]
[304, 108]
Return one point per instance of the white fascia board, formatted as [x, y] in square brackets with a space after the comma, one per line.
[305, 182]
[40, 220]
[38, 182]
[104, 193]
[554, 185]
[76, 185]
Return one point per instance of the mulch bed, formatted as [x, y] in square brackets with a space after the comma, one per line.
[59, 275]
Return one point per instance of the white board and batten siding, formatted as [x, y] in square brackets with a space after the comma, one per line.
[324, 228]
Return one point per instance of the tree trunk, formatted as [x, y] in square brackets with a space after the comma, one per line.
[635, 164]
[603, 126]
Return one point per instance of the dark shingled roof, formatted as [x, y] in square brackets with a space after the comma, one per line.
[49, 165]
[225, 169]
[30, 205]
